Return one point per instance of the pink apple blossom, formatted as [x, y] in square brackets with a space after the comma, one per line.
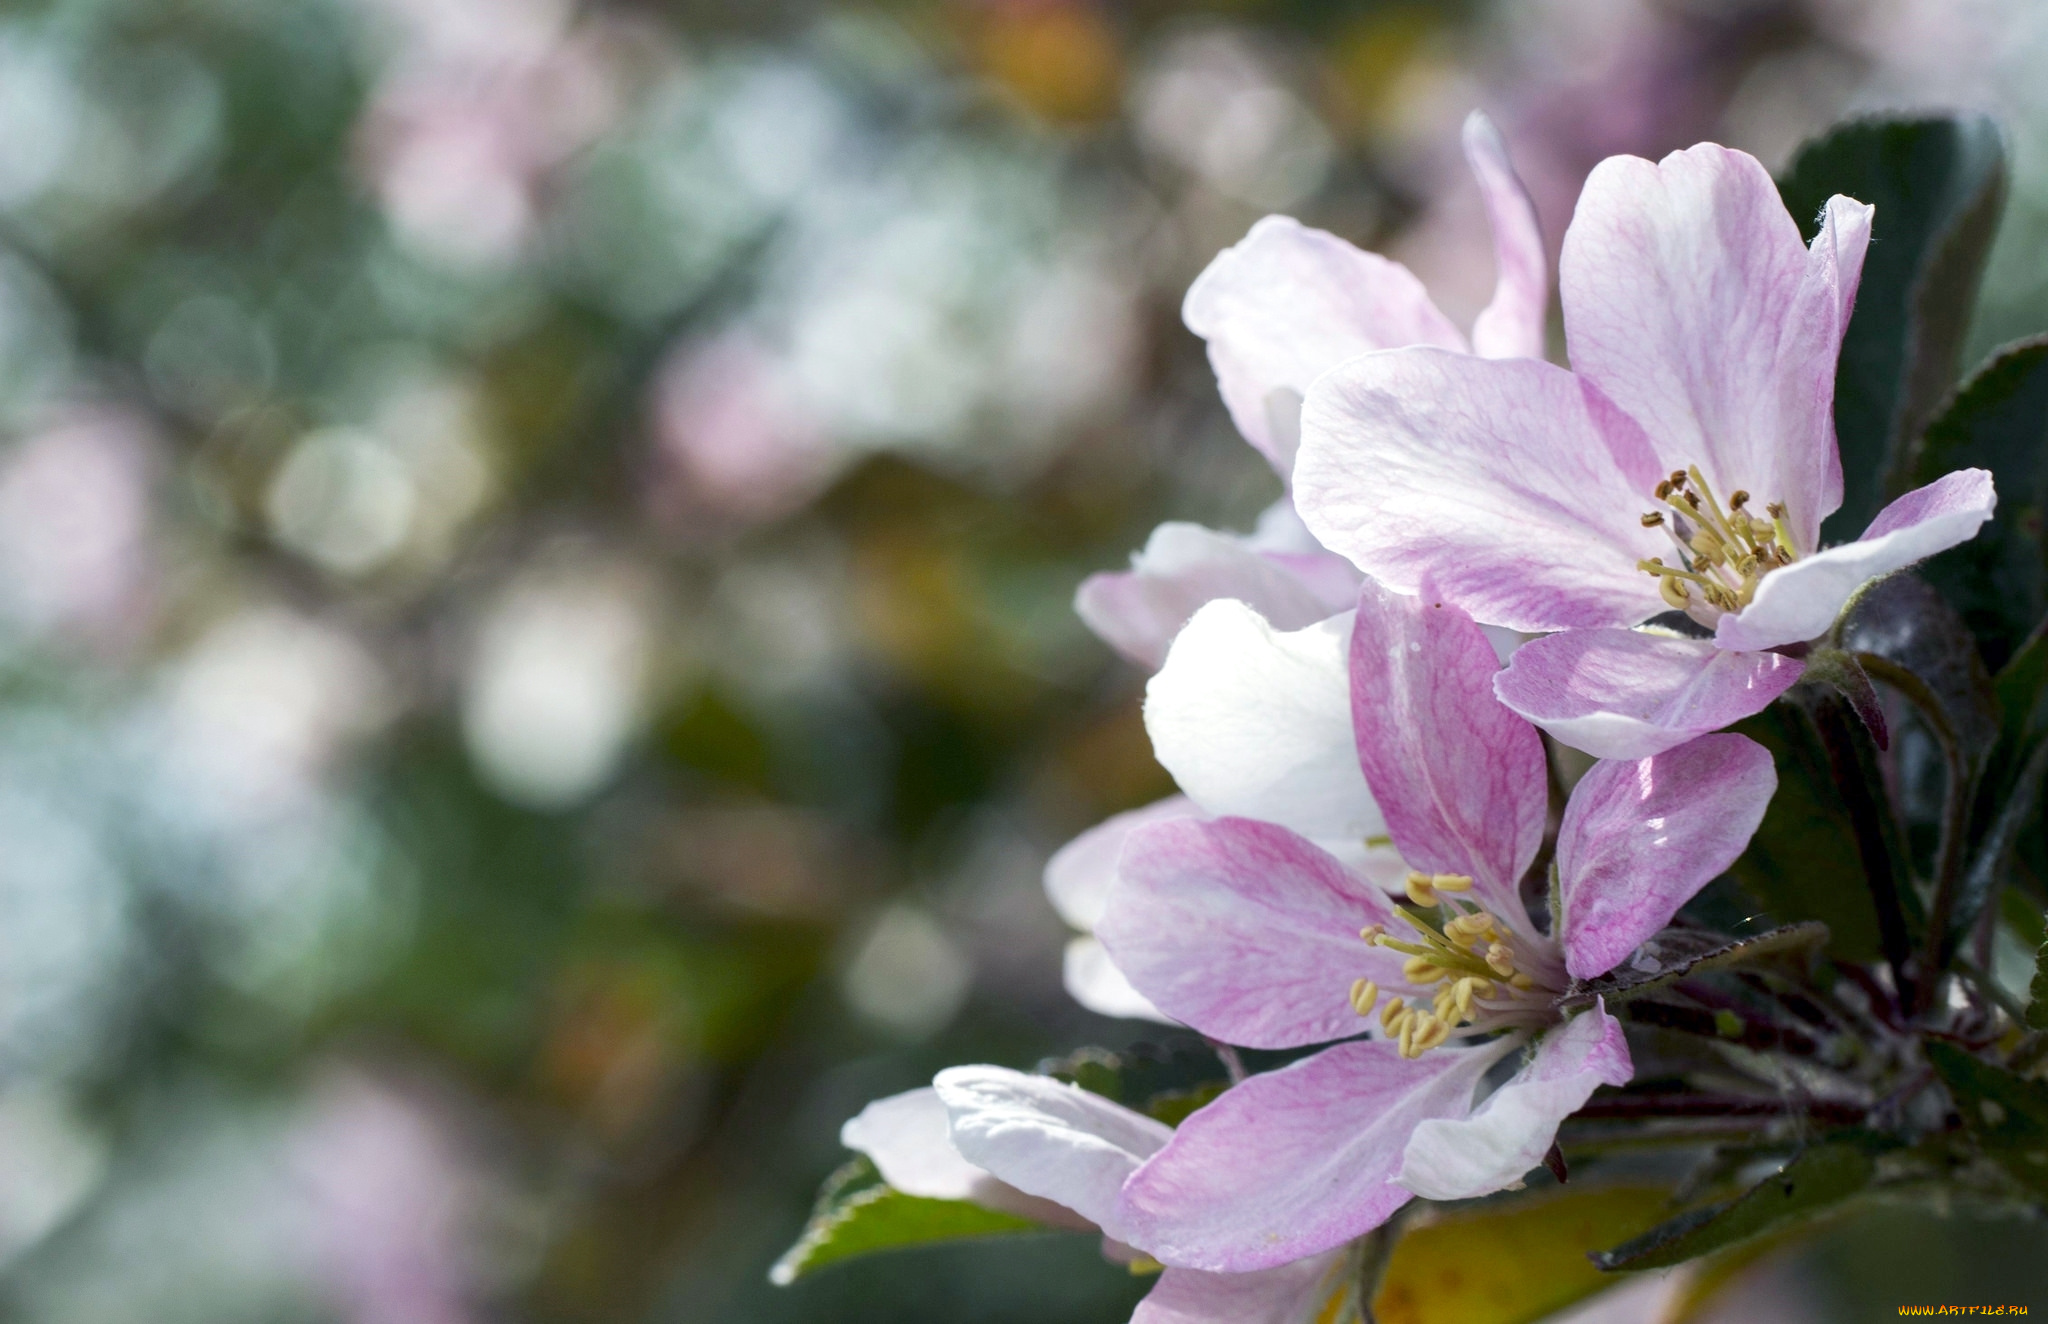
[1255, 935]
[1278, 309]
[1685, 462]
[1048, 1151]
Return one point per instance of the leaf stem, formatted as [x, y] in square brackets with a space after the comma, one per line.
[1843, 737]
[1957, 793]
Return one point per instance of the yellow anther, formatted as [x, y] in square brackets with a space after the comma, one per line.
[1463, 991]
[1422, 970]
[1674, 592]
[1469, 928]
[1363, 994]
[1450, 882]
[1392, 1012]
[1501, 958]
[1422, 1033]
[1523, 982]
[1420, 890]
[1372, 933]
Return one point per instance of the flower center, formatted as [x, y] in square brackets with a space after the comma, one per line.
[1466, 951]
[1722, 554]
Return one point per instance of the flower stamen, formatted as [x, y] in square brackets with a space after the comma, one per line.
[1468, 959]
[1723, 553]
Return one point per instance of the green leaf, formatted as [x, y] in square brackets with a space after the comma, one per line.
[1841, 672]
[1812, 1184]
[1802, 864]
[2009, 798]
[2022, 690]
[2005, 1113]
[1998, 420]
[1938, 184]
[1677, 954]
[1986, 871]
[858, 1214]
[1904, 621]
[2037, 991]
[1511, 1262]
[1166, 1083]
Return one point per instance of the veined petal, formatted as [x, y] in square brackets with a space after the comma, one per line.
[907, 1138]
[1256, 721]
[1512, 325]
[1639, 838]
[1507, 1134]
[1509, 488]
[1246, 932]
[1093, 980]
[1802, 600]
[1627, 694]
[1285, 303]
[1691, 303]
[1812, 474]
[1048, 1138]
[1297, 1293]
[1296, 1161]
[1459, 778]
[1078, 875]
[1138, 611]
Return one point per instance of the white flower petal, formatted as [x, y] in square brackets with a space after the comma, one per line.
[1256, 722]
[1050, 1139]
[1093, 980]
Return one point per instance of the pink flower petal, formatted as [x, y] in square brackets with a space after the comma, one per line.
[1288, 302]
[1048, 1138]
[1512, 325]
[1255, 721]
[907, 1136]
[1295, 1161]
[1139, 611]
[1459, 778]
[1639, 839]
[1802, 600]
[1508, 1134]
[1245, 931]
[1504, 484]
[1627, 694]
[1297, 1293]
[1691, 303]
[1078, 875]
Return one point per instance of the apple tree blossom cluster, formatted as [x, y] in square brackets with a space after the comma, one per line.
[1581, 783]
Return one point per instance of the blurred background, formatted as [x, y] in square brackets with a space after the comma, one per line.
[536, 546]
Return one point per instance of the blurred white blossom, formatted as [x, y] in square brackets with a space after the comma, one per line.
[553, 691]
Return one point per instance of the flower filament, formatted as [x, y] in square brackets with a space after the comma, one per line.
[1468, 956]
[1722, 554]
